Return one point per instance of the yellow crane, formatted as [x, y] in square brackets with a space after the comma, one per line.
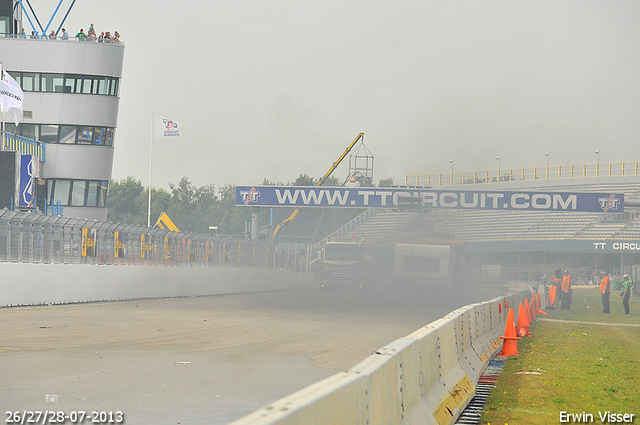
[295, 213]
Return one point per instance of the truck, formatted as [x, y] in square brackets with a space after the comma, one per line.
[341, 263]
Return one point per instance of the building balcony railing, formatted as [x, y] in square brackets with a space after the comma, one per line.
[613, 169]
[41, 37]
[11, 142]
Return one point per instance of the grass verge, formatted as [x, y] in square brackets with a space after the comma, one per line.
[583, 368]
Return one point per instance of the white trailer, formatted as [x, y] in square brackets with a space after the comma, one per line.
[416, 262]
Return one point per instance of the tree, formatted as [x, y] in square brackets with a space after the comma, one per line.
[124, 202]
[267, 182]
[191, 207]
[129, 200]
[160, 202]
[304, 180]
[194, 209]
[332, 181]
[388, 182]
[230, 218]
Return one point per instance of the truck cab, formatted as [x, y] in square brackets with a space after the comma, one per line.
[342, 262]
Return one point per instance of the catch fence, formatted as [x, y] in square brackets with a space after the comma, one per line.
[29, 237]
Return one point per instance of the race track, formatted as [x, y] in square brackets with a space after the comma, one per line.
[203, 360]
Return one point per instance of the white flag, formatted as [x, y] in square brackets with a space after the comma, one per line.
[11, 95]
[166, 128]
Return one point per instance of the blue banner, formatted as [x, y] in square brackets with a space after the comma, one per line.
[364, 197]
[28, 167]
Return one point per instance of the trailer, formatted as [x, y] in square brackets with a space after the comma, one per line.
[427, 262]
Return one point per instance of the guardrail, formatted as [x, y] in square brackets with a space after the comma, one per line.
[27, 237]
[347, 228]
[62, 38]
[612, 169]
[426, 378]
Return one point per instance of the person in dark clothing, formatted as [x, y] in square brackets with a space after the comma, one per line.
[557, 280]
[626, 292]
[566, 291]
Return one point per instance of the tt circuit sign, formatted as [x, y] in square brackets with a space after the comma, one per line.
[291, 196]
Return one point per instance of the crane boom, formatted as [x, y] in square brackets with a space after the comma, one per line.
[295, 213]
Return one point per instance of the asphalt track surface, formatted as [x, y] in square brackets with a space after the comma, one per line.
[202, 360]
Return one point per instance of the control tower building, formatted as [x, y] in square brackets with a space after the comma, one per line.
[71, 96]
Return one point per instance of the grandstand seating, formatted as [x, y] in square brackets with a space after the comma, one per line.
[391, 227]
[386, 227]
[630, 231]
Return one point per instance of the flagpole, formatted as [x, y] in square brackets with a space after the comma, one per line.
[2, 107]
[150, 165]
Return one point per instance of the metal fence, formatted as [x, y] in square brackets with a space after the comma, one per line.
[613, 169]
[29, 237]
[293, 256]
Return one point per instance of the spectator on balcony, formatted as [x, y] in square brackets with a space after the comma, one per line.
[52, 35]
[116, 36]
[65, 34]
[34, 35]
[81, 35]
[22, 34]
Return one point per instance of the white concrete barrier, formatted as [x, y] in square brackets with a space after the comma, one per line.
[32, 284]
[348, 393]
[425, 378]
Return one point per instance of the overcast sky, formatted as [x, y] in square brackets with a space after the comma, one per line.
[275, 89]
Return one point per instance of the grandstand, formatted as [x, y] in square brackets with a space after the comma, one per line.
[526, 238]
[470, 225]
[537, 225]
[387, 227]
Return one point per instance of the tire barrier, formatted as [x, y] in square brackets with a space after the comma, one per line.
[427, 377]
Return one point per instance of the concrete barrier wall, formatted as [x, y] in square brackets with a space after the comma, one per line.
[425, 378]
[32, 284]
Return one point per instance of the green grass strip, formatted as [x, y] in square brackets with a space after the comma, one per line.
[585, 369]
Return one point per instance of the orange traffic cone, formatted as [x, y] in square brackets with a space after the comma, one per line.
[552, 296]
[532, 306]
[527, 310]
[539, 310]
[510, 344]
[526, 318]
[523, 325]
